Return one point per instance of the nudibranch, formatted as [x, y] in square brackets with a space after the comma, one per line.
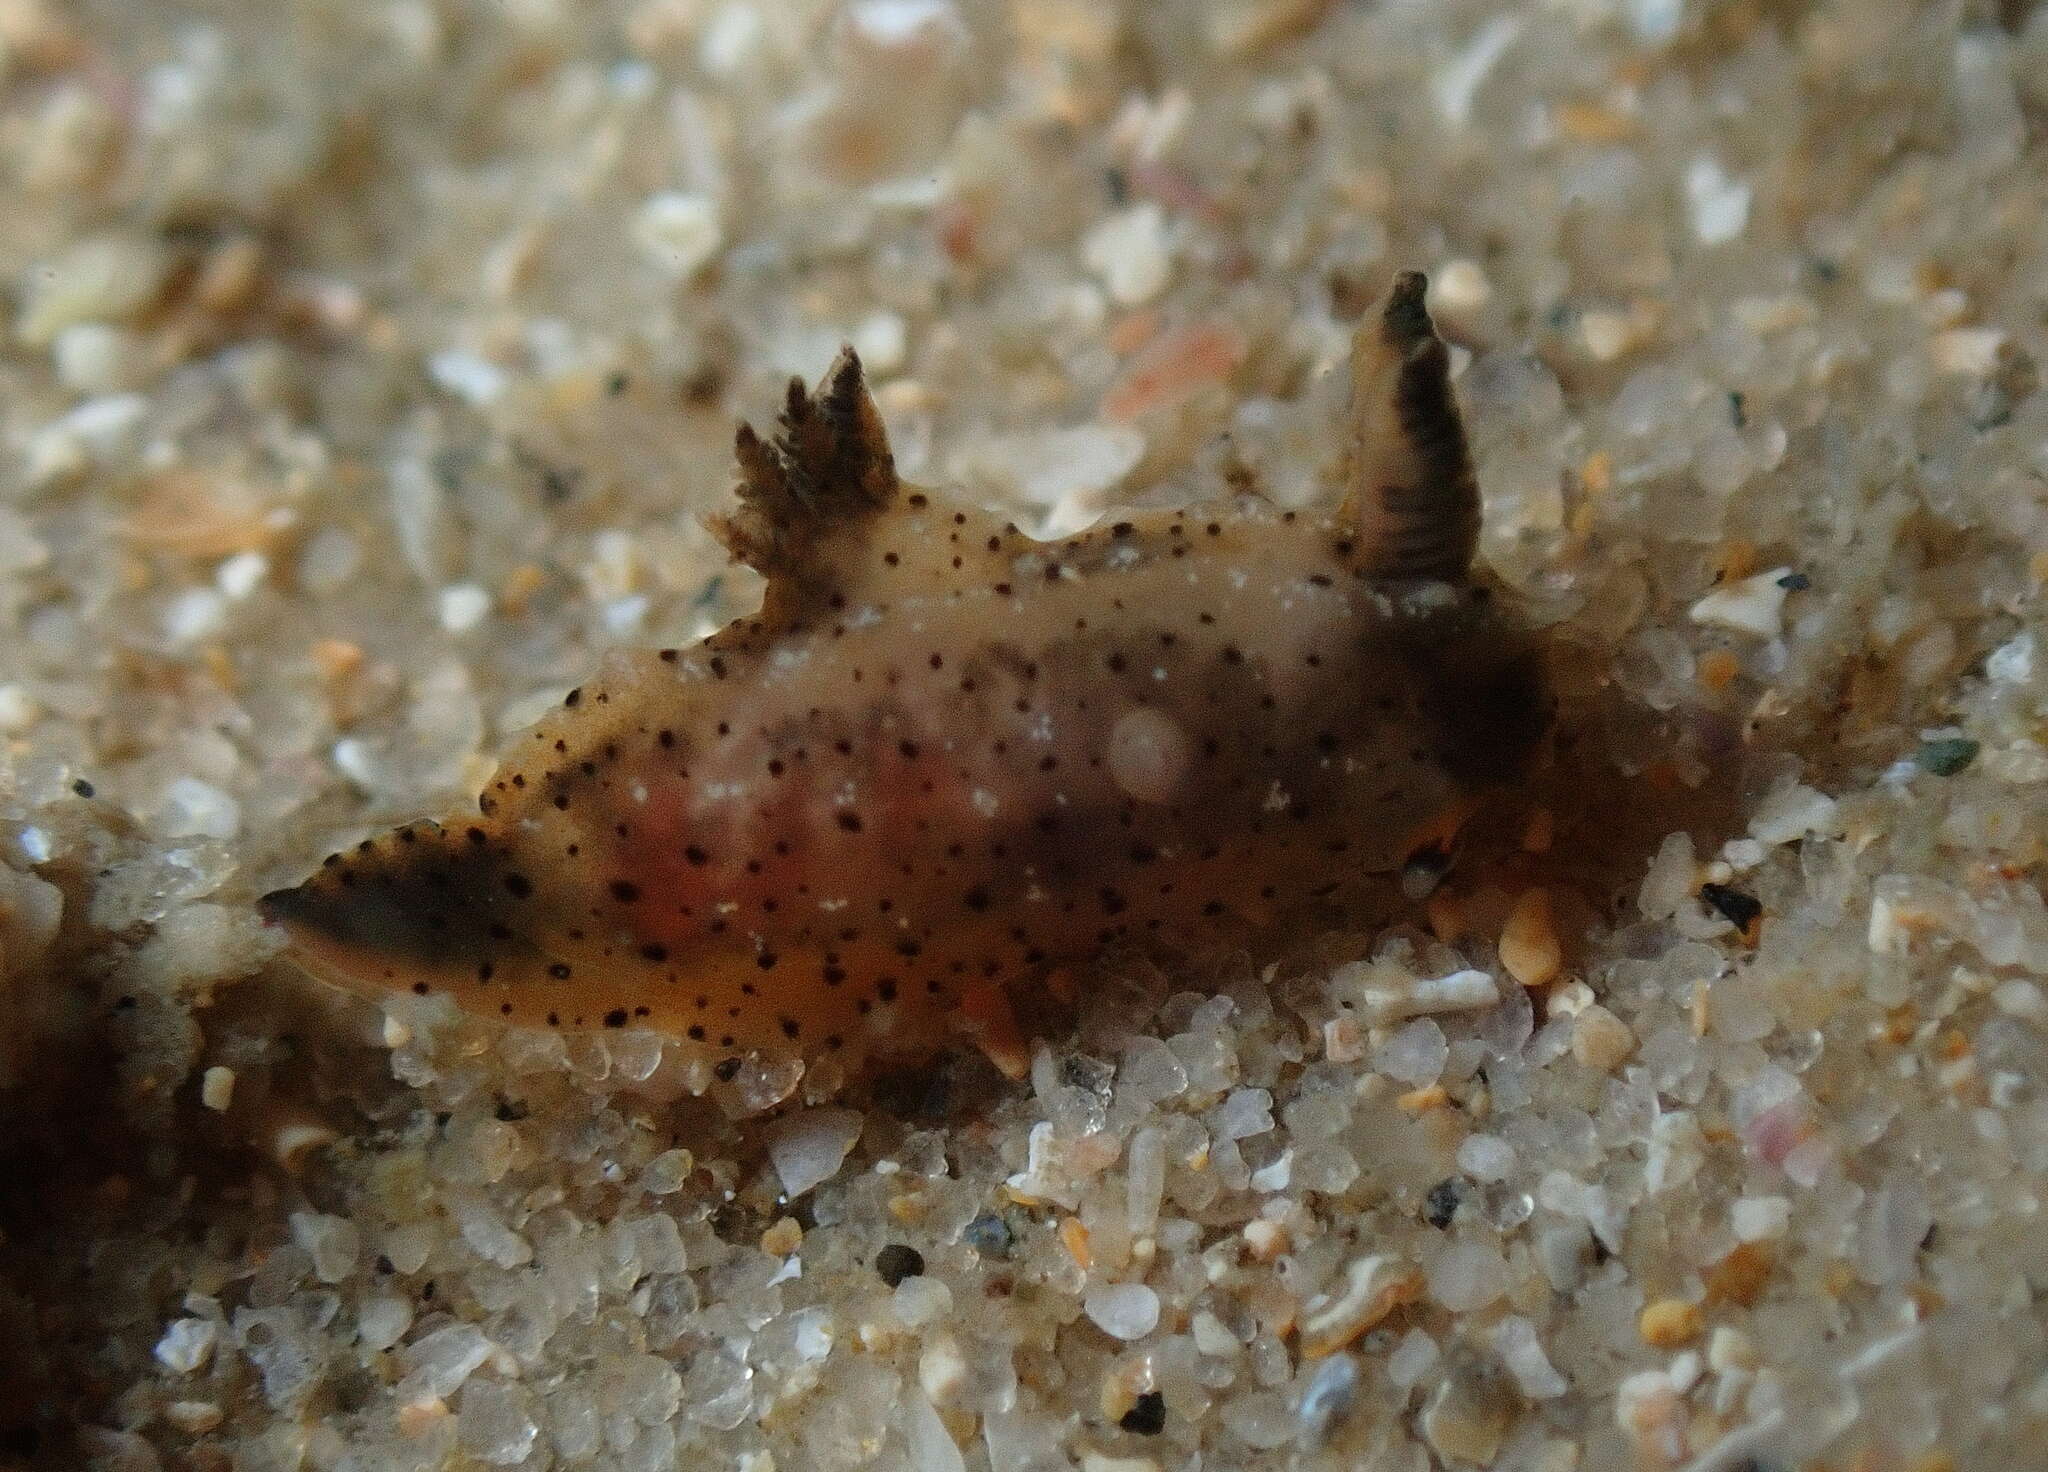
[944, 759]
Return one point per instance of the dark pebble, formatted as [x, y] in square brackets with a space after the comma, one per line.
[1739, 909]
[989, 1235]
[896, 1262]
[1147, 1416]
[1442, 1202]
[1946, 756]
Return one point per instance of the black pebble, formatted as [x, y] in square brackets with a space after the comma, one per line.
[1442, 1202]
[1147, 1415]
[896, 1262]
[1739, 909]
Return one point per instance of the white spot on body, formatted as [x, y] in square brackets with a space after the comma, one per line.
[1148, 754]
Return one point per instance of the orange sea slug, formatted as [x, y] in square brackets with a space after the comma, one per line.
[944, 757]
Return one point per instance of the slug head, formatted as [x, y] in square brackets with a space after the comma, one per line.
[1484, 679]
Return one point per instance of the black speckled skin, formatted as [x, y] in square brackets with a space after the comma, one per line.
[957, 757]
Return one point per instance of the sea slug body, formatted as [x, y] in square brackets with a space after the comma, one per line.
[944, 758]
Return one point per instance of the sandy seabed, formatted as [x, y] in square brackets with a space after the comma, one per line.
[368, 367]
